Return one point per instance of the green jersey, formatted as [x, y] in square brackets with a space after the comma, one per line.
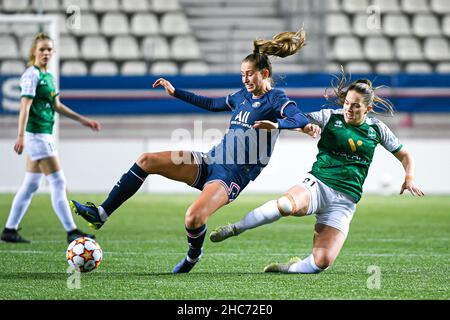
[346, 151]
[41, 87]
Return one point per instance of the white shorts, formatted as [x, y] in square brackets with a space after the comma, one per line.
[331, 207]
[40, 145]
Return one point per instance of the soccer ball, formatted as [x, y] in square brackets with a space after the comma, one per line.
[84, 254]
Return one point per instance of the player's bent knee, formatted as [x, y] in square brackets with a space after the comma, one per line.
[195, 217]
[147, 161]
[286, 205]
[324, 259]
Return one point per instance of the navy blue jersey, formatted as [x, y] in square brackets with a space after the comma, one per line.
[244, 149]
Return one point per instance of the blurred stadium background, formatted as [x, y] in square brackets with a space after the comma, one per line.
[111, 51]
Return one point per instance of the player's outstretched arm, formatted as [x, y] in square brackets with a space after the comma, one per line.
[66, 111]
[265, 124]
[210, 104]
[408, 164]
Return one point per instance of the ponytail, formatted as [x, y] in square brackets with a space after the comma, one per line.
[282, 45]
[340, 86]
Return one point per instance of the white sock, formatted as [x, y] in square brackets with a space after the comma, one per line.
[267, 213]
[59, 199]
[307, 265]
[23, 198]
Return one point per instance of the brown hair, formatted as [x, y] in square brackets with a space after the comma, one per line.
[340, 86]
[282, 45]
[39, 37]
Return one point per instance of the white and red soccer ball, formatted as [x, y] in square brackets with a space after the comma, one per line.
[84, 254]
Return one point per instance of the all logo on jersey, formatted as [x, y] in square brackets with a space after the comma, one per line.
[372, 133]
[256, 104]
[242, 116]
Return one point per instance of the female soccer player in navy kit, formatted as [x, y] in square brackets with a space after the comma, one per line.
[334, 186]
[227, 168]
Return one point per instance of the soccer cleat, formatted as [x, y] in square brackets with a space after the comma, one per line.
[186, 264]
[221, 233]
[281, 267]
[13, 236]
[75, 234]
[88, 212]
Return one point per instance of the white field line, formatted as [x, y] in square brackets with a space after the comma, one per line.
[403, 239]
[408, 240]
[249, 254]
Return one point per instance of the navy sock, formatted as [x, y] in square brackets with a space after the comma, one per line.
[195, 238]
[124, 189]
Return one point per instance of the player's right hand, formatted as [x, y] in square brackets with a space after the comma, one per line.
[18, 146]
[312, 130]
[166, 84]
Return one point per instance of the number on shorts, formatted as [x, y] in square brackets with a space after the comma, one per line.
[52, 146]
[309, 181]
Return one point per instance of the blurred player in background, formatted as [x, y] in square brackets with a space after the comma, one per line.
[333, 187]
[39, 101]
[220, 174]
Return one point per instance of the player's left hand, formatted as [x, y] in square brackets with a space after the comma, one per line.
[411, 187]
[94, 125]
[265, 124]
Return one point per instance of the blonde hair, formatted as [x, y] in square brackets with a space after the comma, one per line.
[282, 45]
[340, 86]
[39, 37]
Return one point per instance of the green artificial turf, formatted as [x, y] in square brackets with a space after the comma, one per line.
[407, 239]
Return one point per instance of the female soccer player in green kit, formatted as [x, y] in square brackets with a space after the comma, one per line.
[333, 187]
[39, 101]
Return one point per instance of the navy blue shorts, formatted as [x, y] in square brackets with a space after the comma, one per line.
[232, 181]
